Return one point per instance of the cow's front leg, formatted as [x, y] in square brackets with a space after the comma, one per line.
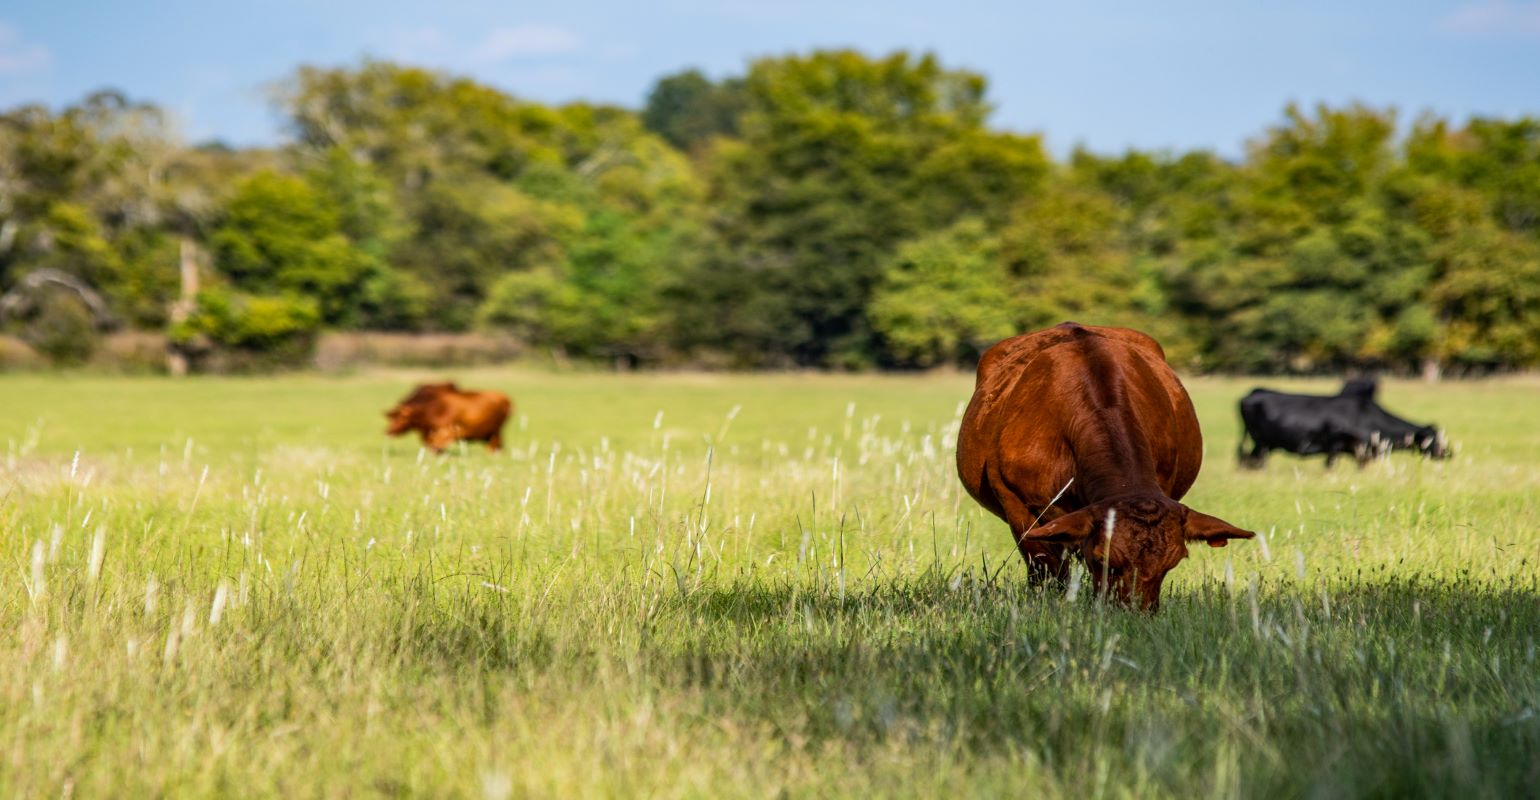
[440, 439]
[1045, 561]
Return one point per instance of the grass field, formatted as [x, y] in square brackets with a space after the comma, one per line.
[714, 586]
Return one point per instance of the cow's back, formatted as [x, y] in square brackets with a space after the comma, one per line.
[1034, 394]
[481, 414]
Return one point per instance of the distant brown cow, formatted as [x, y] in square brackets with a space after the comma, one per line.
[444, 414]
[1083, 440]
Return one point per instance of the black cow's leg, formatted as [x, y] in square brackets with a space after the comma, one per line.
[1331, 458]
[1254, 459]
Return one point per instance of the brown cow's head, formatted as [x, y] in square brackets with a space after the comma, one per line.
[408, 414]
[1129, 545]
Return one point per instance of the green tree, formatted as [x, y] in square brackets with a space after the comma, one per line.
[1483, 298]
[841, 159]
[834, 210]
[1066, 248]
[1318, 267]
[278, 235]
[458, 186]
[85, 191]
[1500, 159]
[605, 300]
[253, 331]
[687, 109]
[944, 298]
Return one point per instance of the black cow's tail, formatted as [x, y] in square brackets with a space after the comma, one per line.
[1243, 458]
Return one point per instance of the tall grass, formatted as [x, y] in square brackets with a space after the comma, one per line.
[727, 586]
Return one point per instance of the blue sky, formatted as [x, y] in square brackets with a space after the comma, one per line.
[1108, 74]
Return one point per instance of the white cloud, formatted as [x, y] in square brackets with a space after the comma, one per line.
[18, 56]
[1491, 18]
[525, 41]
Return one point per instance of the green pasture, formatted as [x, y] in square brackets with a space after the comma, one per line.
[730, 586]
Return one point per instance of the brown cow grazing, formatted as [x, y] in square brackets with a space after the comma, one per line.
[444, 414]
[1083, 440]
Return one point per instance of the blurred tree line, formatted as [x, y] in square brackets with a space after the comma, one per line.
[822, 210]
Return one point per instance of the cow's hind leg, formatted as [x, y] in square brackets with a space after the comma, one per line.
[1256, 459]
[496, 442]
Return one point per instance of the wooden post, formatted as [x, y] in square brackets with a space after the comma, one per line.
[1432, 370]
[176, 357]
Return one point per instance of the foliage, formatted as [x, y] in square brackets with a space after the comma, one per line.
[93, 190]
[603, 299]
[461, 186]
[687, 109]
[944, 298]
[841, 159]
[797, 215]
[278, 234]
[62, 329]
[276, 330]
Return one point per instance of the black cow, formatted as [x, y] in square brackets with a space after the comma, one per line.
[1347, 423]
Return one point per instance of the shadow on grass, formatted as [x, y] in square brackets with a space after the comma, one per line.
[1402, 687]
[1388, 602]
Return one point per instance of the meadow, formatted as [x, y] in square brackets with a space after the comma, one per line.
[730, 586]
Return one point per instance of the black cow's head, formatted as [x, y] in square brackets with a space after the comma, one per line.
[1431, 442]
[1425, 439]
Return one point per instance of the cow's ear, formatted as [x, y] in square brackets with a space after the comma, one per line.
[1068, 529]
[1213, 530]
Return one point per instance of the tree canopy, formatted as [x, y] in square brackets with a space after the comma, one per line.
[830, 209]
